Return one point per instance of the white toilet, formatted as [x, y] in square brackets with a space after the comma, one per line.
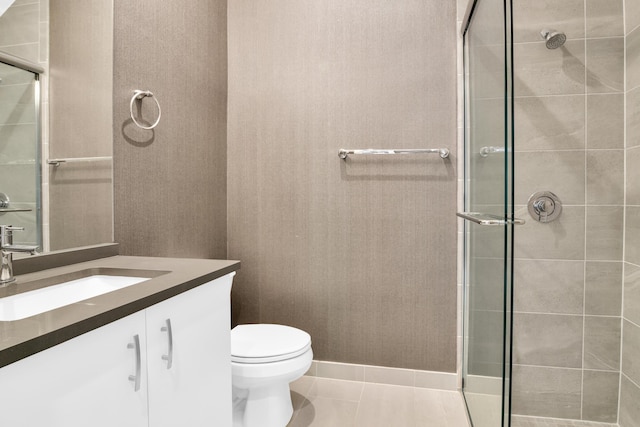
[264, 360]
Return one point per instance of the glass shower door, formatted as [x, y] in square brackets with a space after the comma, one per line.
[488, 214]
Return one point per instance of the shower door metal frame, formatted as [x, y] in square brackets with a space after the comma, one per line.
[508, 220]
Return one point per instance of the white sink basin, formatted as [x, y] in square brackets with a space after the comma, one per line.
[19, 306]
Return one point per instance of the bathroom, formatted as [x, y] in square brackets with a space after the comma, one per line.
[366, 253]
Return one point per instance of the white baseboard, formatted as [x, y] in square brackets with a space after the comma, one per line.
[384, 375]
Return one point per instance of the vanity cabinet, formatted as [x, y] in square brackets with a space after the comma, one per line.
[167, 365]
[82, 382]
[188, 358]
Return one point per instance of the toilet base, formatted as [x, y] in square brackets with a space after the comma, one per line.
[265, 407]
[261, 395]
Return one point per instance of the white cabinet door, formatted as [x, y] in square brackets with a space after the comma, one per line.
[82, 382]
[195, 390]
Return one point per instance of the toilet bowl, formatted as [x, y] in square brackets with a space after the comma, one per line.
[264, 360]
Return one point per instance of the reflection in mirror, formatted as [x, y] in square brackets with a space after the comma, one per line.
[72, 41]
[19, 153]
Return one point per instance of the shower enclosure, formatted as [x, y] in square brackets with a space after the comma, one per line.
[552, 213]
[20, 169]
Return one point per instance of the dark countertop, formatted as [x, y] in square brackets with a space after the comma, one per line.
[22, 338]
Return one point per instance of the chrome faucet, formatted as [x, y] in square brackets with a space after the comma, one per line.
[7, 248]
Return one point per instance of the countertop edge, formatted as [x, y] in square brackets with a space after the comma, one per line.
[46, 340]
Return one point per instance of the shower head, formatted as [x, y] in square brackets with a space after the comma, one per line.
[554, 39]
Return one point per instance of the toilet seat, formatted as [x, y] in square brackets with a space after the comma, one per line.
[264, 343]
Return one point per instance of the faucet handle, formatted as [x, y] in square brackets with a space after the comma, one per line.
[6, 231]
[11, 228]
[6, 234]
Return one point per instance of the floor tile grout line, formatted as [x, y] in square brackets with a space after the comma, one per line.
[355, 417]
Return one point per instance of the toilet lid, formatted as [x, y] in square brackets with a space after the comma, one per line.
[262, 343]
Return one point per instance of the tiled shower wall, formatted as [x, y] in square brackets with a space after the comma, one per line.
[24, 30]
[569, 131]
[630, 382]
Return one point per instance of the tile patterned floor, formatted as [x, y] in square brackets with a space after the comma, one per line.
[486, 408]
[323, 402]
[520, 421]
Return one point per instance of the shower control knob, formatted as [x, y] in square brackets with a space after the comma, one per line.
[544, 206]
[540, 205]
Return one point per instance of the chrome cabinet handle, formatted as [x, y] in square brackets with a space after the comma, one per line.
[168, 357]
[136, 378]
[489, 219]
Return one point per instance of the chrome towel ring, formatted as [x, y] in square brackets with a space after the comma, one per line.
[139, 95]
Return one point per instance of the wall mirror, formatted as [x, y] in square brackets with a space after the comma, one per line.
[56, 127]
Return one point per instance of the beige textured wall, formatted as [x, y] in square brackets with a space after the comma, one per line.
[362, 253]
[630, 384]
[170, 183]
[80, 116]
[569, 132]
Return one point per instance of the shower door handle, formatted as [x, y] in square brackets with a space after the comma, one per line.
[489, 219]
